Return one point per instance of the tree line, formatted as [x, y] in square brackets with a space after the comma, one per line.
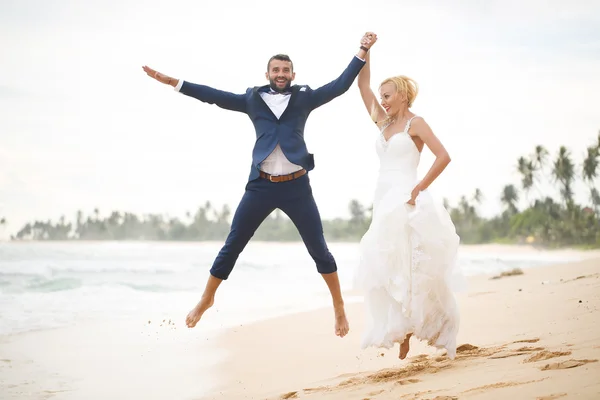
[546, 219]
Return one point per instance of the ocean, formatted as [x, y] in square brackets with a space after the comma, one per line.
[45, 285]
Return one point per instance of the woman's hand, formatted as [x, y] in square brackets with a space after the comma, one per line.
[413, 195]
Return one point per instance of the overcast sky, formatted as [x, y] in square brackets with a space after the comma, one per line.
[82, 126]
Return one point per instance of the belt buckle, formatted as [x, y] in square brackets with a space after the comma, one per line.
[271, 178]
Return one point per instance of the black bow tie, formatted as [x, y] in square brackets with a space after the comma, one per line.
[271, 91]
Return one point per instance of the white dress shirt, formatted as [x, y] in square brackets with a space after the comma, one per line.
[276, 163]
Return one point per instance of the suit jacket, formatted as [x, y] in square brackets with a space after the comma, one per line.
[288, 130]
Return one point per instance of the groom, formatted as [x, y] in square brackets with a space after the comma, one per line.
[279, 172]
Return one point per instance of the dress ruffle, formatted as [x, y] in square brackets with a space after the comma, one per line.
[407, 272]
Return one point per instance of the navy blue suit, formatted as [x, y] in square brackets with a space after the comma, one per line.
[263, 196]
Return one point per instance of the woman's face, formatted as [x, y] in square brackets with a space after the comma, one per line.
[391, 100]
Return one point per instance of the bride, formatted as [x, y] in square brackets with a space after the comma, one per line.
[407, 256]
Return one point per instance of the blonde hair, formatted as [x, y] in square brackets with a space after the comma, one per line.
[404, 86]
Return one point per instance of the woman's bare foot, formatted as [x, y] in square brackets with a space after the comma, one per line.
[194, 316]
[405, 347]
[342, 327]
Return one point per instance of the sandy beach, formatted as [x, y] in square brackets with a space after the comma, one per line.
[530, 336]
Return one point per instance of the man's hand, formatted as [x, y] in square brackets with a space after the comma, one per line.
[368, 39]
[162, 78]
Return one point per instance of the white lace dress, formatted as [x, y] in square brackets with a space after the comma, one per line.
[407, 256]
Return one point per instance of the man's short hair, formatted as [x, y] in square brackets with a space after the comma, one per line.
[280, 57]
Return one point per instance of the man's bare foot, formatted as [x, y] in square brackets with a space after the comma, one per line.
[405, 347]
[194, 316]
[342, 327]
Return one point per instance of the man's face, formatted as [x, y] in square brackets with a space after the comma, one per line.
[280, 75]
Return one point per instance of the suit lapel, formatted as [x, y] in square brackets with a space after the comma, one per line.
[294, 89]
[293, 96]
[256, 91]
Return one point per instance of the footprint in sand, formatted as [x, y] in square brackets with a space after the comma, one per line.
[419, 358]
[419, 396]
[551, 396]
[445, 398]
[500, 385]
[290, 395]
[315, 389]
[470, 351]
[566, 364]
[407, 381]
[534, 340]
[465, 347]
[398, 375]
[517, 352]
[546, 355]
[583, 277]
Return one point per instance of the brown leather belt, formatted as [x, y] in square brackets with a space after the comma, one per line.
[282, 178]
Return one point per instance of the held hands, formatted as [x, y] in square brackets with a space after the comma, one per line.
[368, 39]
[162, 78]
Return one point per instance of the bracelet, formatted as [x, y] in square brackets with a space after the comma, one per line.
[364, 48]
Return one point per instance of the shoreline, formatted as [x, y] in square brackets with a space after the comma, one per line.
[504, 256]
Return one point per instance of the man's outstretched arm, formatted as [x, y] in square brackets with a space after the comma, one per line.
[339, 86]
[206, 94]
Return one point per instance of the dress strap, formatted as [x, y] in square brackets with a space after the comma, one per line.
[407, 127]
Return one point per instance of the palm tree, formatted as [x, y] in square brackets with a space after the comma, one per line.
[477, 200]
[590, 171]
[590, 164]
[357, 211]
[595, 199]
[464, 205]
[477, 196]
[540, 156]
[564, 172]
[509, 197]
[526, 168]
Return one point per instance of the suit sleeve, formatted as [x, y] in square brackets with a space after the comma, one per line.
[207, 94]
[339, 86]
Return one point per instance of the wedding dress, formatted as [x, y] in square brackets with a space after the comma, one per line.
[407, 258]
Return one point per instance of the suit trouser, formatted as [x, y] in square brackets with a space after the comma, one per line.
[261, 198]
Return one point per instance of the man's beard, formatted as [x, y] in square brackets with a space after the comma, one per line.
[286, 88]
